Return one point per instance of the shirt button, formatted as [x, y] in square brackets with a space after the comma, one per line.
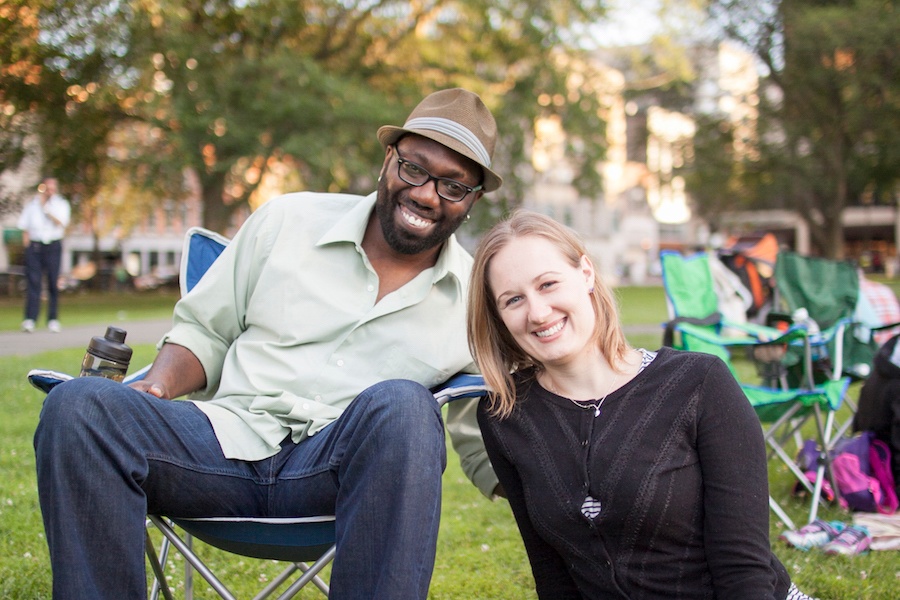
[371, 288]
[306, 405]
[584, 443]
[340, 363]
[317, 399]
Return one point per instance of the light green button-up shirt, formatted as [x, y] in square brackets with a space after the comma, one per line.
[288, 331]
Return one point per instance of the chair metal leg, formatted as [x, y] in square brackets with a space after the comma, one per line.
[292, 591]
[826, 437]
[277, 582]
[777, 447]
[316, 580]
[779, 512]
[311, 574]
[192, 558]
[192, 562]
[824, 467]
[188, 571]
[156, 564]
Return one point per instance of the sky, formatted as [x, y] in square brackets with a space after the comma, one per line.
[628, 22]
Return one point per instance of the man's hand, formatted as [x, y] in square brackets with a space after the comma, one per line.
[151, 387]
[49, 214]
[175, 372]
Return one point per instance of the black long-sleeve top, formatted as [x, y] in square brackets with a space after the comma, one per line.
[879, 404]
[677, 461]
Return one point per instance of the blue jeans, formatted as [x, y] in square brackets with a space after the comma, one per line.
[42, 260]
[107, 455]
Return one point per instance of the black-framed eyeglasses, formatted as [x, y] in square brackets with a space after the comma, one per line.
[416, 175]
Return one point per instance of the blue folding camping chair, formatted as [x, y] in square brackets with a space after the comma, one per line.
[307, 543]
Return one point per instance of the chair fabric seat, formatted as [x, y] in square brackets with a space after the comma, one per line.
[288, 539]
[770, 403]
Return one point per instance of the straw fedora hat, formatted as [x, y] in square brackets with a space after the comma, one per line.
[458, 119]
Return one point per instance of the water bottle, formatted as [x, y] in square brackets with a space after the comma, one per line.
[107, 356]
[801, 317]
[818, 349]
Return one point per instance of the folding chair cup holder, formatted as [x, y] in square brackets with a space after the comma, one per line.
[298, 541]
[783, 400]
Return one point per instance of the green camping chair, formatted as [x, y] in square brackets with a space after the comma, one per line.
[783, 409]
[828, 290]
[695, 322]
[831, 291]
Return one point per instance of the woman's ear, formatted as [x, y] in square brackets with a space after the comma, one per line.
[587, 269]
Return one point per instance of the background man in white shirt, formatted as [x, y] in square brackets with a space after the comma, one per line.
[309, 347]
[43, 223]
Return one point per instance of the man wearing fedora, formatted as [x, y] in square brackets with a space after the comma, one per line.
[308, 351]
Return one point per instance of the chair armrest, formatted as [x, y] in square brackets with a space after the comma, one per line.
[45, 380]
[137, 375]
[460, 386]
[671, 325]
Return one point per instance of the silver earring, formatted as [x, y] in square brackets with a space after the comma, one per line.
[379, 179]
[591, 291]
[468, 217]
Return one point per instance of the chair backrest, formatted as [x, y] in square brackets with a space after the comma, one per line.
[688, 284]
[827, 289]
[201, 249]
[690, 294]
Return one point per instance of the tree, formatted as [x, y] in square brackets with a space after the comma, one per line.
[828, 122]
[20, 152]
[60, 72]
[233, 90]
[712, 176]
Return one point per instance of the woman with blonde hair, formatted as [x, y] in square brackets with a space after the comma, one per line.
[631, 473]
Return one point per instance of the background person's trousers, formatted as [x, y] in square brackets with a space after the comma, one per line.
[107, 455]
[42, 262]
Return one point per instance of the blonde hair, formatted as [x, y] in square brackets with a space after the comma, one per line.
[493, 347]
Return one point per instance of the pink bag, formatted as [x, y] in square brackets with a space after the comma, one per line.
[861, 467]
[880, 467]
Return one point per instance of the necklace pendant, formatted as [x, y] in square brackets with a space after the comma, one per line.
[596, 411]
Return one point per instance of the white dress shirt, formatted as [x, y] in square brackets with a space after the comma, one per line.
[36, 222]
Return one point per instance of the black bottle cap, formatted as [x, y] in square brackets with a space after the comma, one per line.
[111, 346]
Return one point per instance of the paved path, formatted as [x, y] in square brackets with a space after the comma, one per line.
[18, 343]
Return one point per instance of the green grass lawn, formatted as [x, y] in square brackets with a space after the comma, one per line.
[85, 308]
[642, 306]
[480, 554]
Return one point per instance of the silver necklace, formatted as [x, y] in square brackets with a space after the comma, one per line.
[586, 404]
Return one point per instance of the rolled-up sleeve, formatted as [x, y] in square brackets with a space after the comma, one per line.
[462, 425]
[212, 316]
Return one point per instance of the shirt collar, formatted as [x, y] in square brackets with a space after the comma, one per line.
[452, 260]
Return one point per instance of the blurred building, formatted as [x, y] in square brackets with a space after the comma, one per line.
[643, 205]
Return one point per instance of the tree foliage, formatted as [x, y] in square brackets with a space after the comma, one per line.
[243, 91]
[828, 120]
